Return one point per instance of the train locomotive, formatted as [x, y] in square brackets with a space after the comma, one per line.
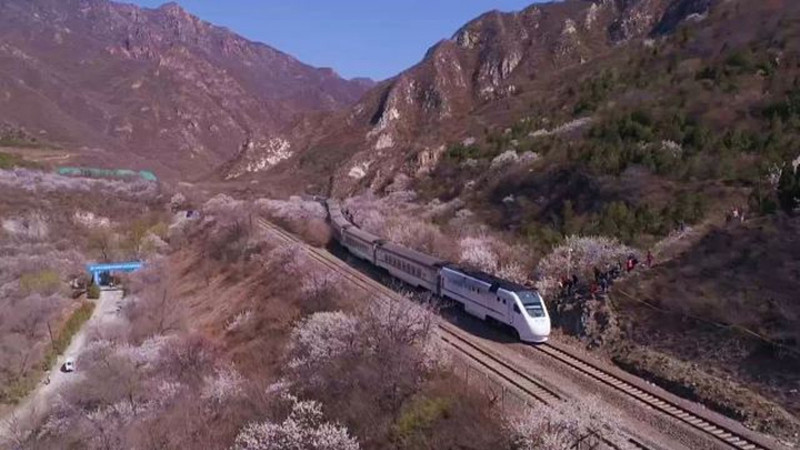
[481, 294]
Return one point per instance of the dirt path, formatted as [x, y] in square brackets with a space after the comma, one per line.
[36, 404]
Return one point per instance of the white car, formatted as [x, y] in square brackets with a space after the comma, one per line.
[69, 366]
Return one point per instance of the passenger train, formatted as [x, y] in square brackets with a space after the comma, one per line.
[482, 295]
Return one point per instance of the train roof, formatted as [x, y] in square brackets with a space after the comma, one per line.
[364, 235]
[491, 279]
[414, 255]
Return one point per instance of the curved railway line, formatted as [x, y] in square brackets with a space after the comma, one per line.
[725, 431]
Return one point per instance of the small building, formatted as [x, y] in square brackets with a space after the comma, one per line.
[101, 273]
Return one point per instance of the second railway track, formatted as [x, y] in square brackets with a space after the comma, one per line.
[725, 431]
[455, 338]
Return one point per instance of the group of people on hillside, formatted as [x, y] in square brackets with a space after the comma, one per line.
[603, 280]
[736, 214]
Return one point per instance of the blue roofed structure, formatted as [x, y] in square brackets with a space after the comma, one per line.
[100, 272]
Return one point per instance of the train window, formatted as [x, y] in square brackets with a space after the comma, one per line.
[516, 309]
[532, 303]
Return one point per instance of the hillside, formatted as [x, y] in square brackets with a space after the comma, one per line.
[653, 125]
[561, 142]
[492, 72]
[155, 88]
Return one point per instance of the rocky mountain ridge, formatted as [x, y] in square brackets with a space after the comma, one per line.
[490, 60]
[158, 86]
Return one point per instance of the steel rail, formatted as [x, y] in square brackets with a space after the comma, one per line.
[455, 338]
[730, 433]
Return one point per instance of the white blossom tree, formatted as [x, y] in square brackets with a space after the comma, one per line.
[579, 255]
[581, 424]
[304, 429]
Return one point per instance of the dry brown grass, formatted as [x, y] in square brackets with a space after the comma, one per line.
[710, 303]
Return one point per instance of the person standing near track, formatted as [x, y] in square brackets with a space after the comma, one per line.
[630, 264]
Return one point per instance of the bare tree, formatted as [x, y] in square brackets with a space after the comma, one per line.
[101, 241]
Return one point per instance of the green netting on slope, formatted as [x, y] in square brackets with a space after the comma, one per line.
[106, 173]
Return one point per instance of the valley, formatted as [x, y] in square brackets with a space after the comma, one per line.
[637, 163]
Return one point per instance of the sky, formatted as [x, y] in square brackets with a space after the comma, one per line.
[357, 38]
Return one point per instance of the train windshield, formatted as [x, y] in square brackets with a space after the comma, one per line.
[532, 303]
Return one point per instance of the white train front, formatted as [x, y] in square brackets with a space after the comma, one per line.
[482, 295]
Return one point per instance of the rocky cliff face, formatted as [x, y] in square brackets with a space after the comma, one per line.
[159, 86]
[404, 123]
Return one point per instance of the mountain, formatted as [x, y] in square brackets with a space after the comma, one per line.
[497, 59]
[150, 87]
[671, 126]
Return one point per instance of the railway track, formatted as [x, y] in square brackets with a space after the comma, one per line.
[728, 431]
[456, 339]
[721, 429]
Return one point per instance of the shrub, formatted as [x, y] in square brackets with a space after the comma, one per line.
[9, 161]
[304, 428]
[228, 230]
[504, 159]
[787, 108]
[490, 254]
[582, 424]
[477, 252]
[93, 292]
[580, 255]
[303, 217]
[595, 90]
[31, 227]
[43, 182]
[226, 210]
[226, 383]
[126, 388]
[461, 152]
[177, 202]
[740, 61]
[295, 209]
[320, 289]
[318, 339]
[43, 282]
[384, 354]
[396, 218]
[418, 418]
